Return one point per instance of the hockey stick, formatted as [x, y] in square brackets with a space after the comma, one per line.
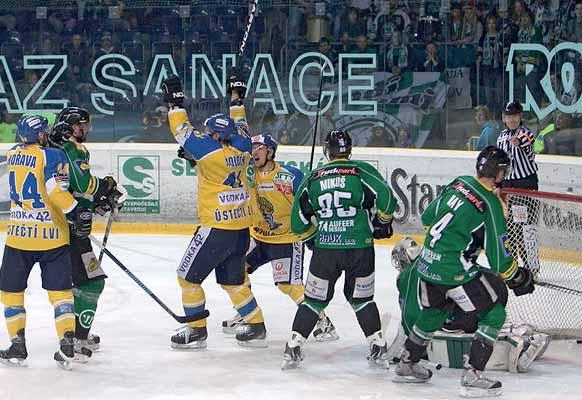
[252, 14]
[559, 288]
[179, 318]
[106, 235]
[316, 118]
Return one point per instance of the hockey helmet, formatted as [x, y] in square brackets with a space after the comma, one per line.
[30, 126]
[73, 115]
[266, 140]
[222, 124]
[491, 160]
[338, 144]
[404, 253]
[512, 108]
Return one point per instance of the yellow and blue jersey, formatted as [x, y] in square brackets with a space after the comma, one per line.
[39, 197]
[223, 196]
[274, 193]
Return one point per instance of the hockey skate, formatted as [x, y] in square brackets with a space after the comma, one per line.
[252, 335]
[474, 384]
[378, 355]
[324, 330]
[189, 338]
[293, 356]
[410, 372]
[82, 352]
[93, 342]
[536, 347]
[229, 326]
[16, 354]
[64, 357]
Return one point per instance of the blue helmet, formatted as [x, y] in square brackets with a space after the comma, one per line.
[30, 126]
[266, 140]
[221, 124]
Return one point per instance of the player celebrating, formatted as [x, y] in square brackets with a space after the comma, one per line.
[513, 352]
[351, 204]
[221, 242]
[72, 126]
[38, 232]
[273, 241]
[449, 276]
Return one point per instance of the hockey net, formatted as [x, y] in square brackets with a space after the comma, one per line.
[545, 235]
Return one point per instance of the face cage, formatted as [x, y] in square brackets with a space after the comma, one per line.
[400, 260]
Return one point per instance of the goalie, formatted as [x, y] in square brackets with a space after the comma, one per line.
[515, 350]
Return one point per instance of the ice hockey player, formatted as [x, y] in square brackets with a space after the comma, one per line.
[513, 352]
[448, 276]
[41, 209]
[221, 241]
[71, 129]
[351, 205]
[272, 240]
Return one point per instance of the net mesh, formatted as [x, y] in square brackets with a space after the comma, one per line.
[544, 232]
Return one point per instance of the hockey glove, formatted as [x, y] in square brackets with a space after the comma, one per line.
[522, 283]
[80, 220]
[172, 89]
[60, 133]
[382, 229]
[113, 202]
[182, 153]
[235, 82]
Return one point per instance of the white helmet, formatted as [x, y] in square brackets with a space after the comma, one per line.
[405, 251]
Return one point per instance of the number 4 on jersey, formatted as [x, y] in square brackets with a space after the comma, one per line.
[436, 231]
[29, 190]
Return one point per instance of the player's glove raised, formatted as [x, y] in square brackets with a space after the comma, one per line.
[172, 89]
[182, 153]
[382, 229]
[60, 133]
[522, 282]
[109, 196]
[236, 83]
[80, 220]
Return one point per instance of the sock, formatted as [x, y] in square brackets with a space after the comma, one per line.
[193, 301]
[296, 292]
[62, 301]
[14, 312]
[305, 320]
[480, 353]
[244, 301]
[86, 298]
[368, 317]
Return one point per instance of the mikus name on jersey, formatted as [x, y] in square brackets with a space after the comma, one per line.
[332, 183]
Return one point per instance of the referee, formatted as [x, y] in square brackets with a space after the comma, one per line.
[517, 141]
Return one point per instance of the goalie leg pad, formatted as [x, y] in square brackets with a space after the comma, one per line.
[86, 298]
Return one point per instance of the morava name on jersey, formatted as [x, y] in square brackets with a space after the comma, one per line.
[39, 198]
[341, 196]
[223, 197]
[275, 191]
[457, 221]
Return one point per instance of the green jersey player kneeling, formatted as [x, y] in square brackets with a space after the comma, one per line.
[350, 204]
[515, 350]
[449, 276]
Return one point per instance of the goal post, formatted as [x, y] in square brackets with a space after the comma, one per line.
[545, 235]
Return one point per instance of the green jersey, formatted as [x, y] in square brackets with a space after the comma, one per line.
[408, 298]
[464, 215]
[341, 198]
[82, 184]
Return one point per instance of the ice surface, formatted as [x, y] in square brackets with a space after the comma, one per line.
[136, 361]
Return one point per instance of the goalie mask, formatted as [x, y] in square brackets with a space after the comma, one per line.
[404, 253]
[338, 144]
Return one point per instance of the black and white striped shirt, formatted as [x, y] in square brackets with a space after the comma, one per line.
[522, 156]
